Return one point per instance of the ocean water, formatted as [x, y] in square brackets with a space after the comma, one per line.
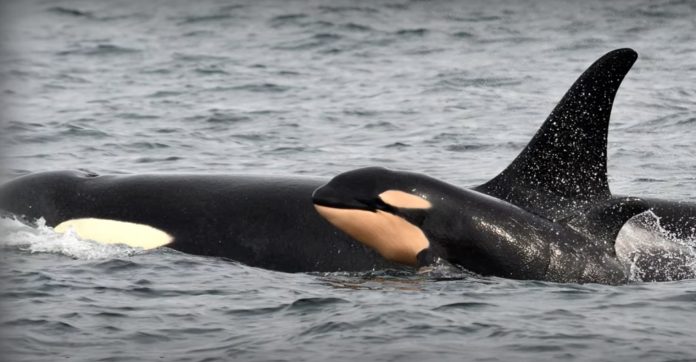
[447, 88]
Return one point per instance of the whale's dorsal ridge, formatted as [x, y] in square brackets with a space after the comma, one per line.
[564, 168]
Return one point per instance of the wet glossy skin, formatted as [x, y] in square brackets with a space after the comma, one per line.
[481, 233]
[268, 222]
[514, 225]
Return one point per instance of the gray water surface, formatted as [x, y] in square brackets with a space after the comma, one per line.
[452, 89]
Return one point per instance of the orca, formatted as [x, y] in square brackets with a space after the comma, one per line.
[273, 223]
[563, 169]
[416, 220]
[550, 215]
[261, 221]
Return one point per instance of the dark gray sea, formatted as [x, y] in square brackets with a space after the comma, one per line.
[453, 89]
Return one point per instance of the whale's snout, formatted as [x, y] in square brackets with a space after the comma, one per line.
[369, 214]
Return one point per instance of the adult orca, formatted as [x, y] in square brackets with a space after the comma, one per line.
[272, 222]
[549, 215]
[267, 222]
[563, 169]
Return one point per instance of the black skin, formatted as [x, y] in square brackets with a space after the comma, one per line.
[265, 222]
[676, 217]
[557, 185]
[481, 233]
[563, 169]
[271, 222]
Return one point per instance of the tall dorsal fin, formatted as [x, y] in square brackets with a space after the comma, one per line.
[564, 167]
[602, 222]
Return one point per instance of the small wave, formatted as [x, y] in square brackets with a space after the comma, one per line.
[164, 94]
[132, 115]
[364, 113]
[412, 32]
[456, 81]
[146, 338]
[442, 270]
[42, 239]
[262, 88]
[198, 33]
[656, 12]
[227, 118]
[347, 9]
[379, 125]
[83, 131]
[397, 145]
[582, 43]
[255, 311]
[287, 19]
[464, 305]
[250, 136]
[463, 35]
[357, 27]
[326, 36]
[210, 71]
[199, 57]
[14, 126]
[466, 147]
[206, 18]
[315, 41]
[139, 146]
[686, 122]
[158, 159]
[285, 150]
[71, 12]
[115, 265]
[475, 18]
[670, 120]
[312, 304]
[100, 50]
[322, 328]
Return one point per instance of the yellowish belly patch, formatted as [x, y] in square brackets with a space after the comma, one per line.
[107, 231]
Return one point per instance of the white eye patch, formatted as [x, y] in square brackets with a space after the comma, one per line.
[404, 200]
[107, 231]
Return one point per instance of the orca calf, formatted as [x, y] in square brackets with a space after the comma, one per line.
[415, 219]
[552, 205]
[549, 215]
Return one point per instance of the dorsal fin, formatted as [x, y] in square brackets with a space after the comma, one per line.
[602, 222]
[564, 167]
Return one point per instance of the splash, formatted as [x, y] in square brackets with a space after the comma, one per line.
[444, 270]
[43, 239]
[651, 253]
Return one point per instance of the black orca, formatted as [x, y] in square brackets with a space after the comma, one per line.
[549, 215]
[415, 219]
[272, 222]
[267, 222]
[563, 169]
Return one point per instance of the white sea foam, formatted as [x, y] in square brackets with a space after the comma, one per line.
[43, 239]
[648, 249]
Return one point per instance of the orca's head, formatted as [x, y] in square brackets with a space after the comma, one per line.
[383, 209]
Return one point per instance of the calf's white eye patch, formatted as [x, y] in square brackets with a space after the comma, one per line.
[404, 200]
[107, 231]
